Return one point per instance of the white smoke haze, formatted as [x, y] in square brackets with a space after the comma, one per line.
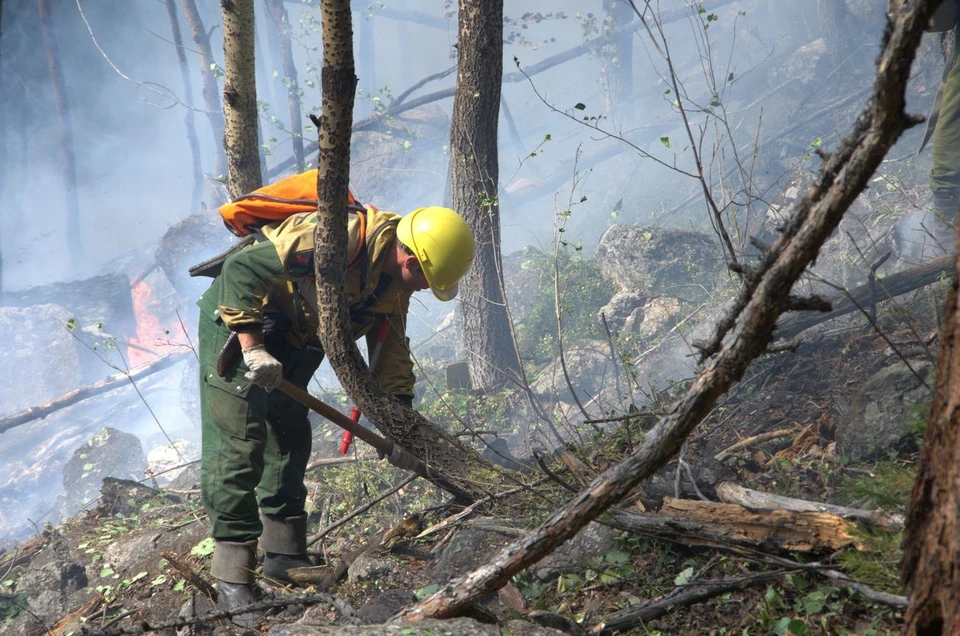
[134, 167]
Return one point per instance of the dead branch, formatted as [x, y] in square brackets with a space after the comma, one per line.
[101, 386]
[208, 618]
[865, 295]
[749, 325]
[191, 577]
[750, 441]
[684, 596]
[85, 611]
[359, 511]
[730, 492]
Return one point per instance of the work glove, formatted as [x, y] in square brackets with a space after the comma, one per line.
[265, 370]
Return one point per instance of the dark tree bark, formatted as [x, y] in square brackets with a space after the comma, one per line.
[188, 119]
[764, 297]
[474, 175]
[66, 133]
[211, 90]
[440, 451]
[240, 135]
[281, 23]
[931, 541]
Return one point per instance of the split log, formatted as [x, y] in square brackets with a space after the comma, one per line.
[101, 386]
[866, 295]
[756, 500]
[720, 525]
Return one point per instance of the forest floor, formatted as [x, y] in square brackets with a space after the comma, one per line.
[806, 391]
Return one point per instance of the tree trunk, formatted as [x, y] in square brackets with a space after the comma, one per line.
[211, 90]
[281, 22]
[240, 135]
[931, 541]
[834, 20]
[408, 428]
[66, 133]
[188, 119]
[750, 324]
[617, 59]
[474, 175]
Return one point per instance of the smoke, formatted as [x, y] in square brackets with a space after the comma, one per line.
[134, 168]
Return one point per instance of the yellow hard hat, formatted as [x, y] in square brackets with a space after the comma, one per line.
[443, 244]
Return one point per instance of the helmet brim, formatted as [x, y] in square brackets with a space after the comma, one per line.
[446, 294]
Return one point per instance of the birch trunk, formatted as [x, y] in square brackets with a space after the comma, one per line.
[241, 130]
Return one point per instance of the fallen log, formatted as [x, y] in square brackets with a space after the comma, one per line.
[719, 525]
[756, 500]
[101, 386]
[865, 295]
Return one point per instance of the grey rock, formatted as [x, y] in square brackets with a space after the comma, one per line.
[194, 239]
[621, 308]
[55, 582]
[589, 368]
[41, 359]
[123, 497]
[658, 314]
[884, 415]
[382, 607]
[367, 567]
[111, 453]
[660, 262]
[467, 549]
[575, 555]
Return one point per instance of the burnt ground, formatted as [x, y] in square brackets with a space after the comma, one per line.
[808, 392]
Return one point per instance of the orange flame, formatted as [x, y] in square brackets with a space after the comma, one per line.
[152, 336]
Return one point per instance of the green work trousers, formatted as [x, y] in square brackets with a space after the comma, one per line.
[945, 173]
[255, 443]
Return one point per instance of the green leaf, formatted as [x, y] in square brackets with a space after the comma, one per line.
[816, 143]
[580, 106]
[72, 323]
[106, 571]
[204, 548]
[665, 141]
[426, 590]
[684, 577]
[160, 579]
[616, 556]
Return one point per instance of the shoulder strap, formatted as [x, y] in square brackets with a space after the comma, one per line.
[362, 254]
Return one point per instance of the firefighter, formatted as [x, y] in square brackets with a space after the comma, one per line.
[930, 231]
[258, 325]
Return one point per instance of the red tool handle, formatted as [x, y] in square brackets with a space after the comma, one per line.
[347, 437]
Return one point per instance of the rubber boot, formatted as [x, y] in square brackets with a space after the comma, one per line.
[284, 542]
[233, 567]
